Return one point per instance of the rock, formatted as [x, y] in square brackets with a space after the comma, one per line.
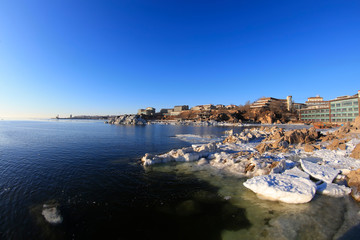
[262, 147]
[318, 147]
[328, 138]
[333, 190]
[268, 118]
[353, 180]
[342, 146]
[128, 120]
[308, 148]
[334, 145]
[282, 187]
[283, 144]
[323, 173]
[356, 152]
[51, 214]
[356, 123]
[278, 167]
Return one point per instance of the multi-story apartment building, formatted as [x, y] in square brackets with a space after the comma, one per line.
[339, 110]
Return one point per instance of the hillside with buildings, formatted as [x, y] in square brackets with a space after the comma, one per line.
[265, 110]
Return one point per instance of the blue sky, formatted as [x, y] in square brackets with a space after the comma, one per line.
[112, 57]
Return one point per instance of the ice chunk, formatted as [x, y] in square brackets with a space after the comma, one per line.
[323, 173]
[282, 187]
[52, 214]
[333, 190]
[295, 171]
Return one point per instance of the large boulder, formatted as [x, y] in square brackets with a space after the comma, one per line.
[282, 187]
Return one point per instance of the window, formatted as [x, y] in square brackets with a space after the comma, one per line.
[347, 103]
[338, 104]
[332, 105]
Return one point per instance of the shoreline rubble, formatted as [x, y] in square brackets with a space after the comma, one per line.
[272, 157]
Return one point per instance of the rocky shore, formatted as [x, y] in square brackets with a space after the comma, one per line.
[127, 120]
[290, 166]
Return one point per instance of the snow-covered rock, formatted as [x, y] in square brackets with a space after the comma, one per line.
[282, 187]
[323, 173]
[333, 190]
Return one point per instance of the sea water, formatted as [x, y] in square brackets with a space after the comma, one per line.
[67, 179]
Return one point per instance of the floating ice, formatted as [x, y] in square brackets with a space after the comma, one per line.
[193, 138]
[333, 190]
[282, 187]
[297, 172]
[324, 173]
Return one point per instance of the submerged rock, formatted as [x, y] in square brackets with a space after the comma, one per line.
[282, 187]
[51, 213]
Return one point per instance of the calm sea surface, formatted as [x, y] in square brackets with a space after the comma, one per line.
[91, 171]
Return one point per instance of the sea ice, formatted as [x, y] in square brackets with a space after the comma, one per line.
[323, 173]
[295, 171]
[282, 187]
[333, 190]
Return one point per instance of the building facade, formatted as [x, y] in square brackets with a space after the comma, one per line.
[344, 109]
[149, 111]
[339, 110]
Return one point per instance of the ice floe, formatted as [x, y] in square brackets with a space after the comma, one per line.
[333, 190]
[323, 173]
[193, 138]
[282, 187]
[295, 171]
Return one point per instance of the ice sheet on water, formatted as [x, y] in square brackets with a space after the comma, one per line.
[193, 138]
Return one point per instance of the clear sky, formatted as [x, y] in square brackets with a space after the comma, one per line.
[112, 57]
